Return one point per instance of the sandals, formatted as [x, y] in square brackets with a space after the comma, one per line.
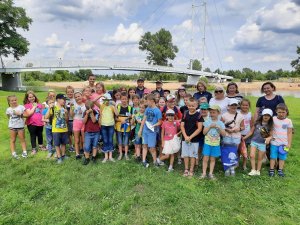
[186, 173]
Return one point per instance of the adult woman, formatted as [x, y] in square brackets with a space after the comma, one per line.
[232, 91]
[201, 88]
[270, 100]
[220, 99]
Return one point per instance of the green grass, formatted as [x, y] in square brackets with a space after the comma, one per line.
[38, 191]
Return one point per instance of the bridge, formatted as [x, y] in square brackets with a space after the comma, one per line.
[11, 79]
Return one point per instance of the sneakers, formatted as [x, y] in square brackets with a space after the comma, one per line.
[257, 173]
[211, 177]
[252, 173]
[232, 171]
[49, 155]
[179, 161]
[120, 157]
[145, 164]
[78, 157]
[94, 159]
[170, 169]
[271, 173]
[227, 172]
[43, 148]
[71, 149]
[24, 154]
[203, 176]
[126, 157]
[104, 160]
[15, 156]
[280, 173]
[85, 161]
[112, 160]
[64, 157]
[33, 152]
[59, 161]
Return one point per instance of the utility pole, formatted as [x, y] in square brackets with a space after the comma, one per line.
[203, 32]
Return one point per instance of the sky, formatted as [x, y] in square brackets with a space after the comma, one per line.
[261, 35]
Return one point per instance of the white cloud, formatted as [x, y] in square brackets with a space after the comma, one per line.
[61, 52]
[86, 47]
[229, 59]
[274, 58]
[124, 35]
[53, 41]
[186, 25]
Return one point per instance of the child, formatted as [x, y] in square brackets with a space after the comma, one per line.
[69, 103]
[169, 136]
[234, 124]
[48, 126]
[116, 97]
[137, 119]
[261, 136]
[161, 102]
[16, 125]
[248, 122]
[191, 126]
[180, 97]
[171, 105]
[77, 111]
[123, 113]
[91, 132]
[33, 113]
[107, 128]
[131, 93]
[86, 94]
[213, 129]
[51, 95]
[59, 126]
[151, 121]
[282, 139]
[184, 108]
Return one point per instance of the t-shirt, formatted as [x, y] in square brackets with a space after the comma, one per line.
[171, 129]
[180, 102]
[59, 123]
[36, 118]
[247, 122]
[183, 109]
[15, 121]
[153, 115]
[139, 116]
[228, 117]
[108, 115]
[190, 125]
[222, 103]
[256, 137]
[213, 137]
[280, 131]
[47, 124]
[79, 111]
[89, 125]
[124, 113]
[69, 103]
[206, 94]
[263, 103]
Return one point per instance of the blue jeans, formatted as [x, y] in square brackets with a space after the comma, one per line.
[49, 137]
[123, 138]
[90, 141]
[107, 135]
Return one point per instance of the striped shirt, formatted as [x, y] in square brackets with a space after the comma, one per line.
[280, 131]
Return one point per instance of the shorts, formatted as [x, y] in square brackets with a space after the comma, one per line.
[149, 138]
[123, 138]
[60, 138]
[137, 140]
[78, 125]
[275, 153]
[231, 140]
[214, 151]
[90, 141]
[70, 127]
[189, 150]
[171, 146]
[201, 142]
[259, 146]
[16, 129]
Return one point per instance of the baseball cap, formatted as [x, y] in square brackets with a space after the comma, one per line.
[140, 79]
[60, 96]
[158, 82]
[181, 88]
[233, 101]
[170, 112]
[170, 97]
[215, 107]
[267, 112]
[166, 90]
[107, 97]
[204, 105]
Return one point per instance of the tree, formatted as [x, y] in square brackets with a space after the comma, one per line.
[207, 70]
[296, 63]
[159, 47]
[11, 19]
[196, 65]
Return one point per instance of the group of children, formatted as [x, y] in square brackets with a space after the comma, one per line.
[184, 128]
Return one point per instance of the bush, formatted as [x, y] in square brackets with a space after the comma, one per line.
[36, 83]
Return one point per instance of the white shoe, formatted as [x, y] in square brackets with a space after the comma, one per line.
[112, 160]
[104, 160]
[170, 169]
[253, 173]
[24, 154]
[257, 173]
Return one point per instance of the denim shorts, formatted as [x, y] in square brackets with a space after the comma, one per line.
[16, 129]
[90, 141]
[214, 151]
[275, 153]
[259, 146]
[137, 140]
[149, 138]
[189, 150]
[123, 138]
[60, 138]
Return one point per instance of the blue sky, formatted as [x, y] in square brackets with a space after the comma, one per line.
[261, 35]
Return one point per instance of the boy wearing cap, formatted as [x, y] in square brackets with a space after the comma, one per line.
[149, 126]
[158, 88]
[191, 126]
[213, 129]
[59, 126]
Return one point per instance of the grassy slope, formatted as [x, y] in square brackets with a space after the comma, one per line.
[37, 191]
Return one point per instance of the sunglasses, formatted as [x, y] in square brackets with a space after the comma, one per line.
[219, 91]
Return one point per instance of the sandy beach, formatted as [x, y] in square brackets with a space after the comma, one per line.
[284, 86]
